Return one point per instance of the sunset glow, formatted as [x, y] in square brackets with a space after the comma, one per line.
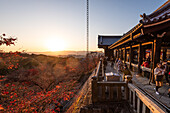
[55, 44]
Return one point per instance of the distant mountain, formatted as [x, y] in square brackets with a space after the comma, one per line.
[57, 53]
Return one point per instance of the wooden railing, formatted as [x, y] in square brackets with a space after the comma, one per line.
[100, 71]
[143, 103]
[146, 69]
[111, 91]
[103, 91]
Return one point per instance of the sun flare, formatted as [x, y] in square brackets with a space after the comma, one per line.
[55, 44]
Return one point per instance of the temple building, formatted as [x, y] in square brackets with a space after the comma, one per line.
[105, 41]
[148, 40]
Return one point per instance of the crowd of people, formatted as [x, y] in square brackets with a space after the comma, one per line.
[161, 72]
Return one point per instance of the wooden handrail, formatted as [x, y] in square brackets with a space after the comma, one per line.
[98, 68]
[134, 65]
[142, 102]
[146, 69]
[110, 83]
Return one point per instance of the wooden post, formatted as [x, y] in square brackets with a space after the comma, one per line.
[111, 92]
[145, 109]
[94, 90]
[164, 54]
[125, 54]
[140, 52]
[119, 94]
[139, 106]
[127, 92]
[121, 54]
[156, 54]
[130, 96]
[118, 53]
[103, 92]
[130, 57]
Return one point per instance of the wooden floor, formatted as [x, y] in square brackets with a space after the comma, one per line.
[143, 83]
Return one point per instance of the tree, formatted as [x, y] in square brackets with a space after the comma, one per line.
[6, 40]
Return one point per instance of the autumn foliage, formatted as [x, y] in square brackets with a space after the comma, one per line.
[6, 40]
[39, 83]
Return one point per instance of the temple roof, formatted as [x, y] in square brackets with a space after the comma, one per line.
[156, 21]
[107, 40]
[160, 15]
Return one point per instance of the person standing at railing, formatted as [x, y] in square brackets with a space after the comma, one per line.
[112, 61]
[126, 73]
[165, 68]
[158, 72]
[119, 65]
[145, 64]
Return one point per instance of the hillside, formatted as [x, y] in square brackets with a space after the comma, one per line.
[40, 83]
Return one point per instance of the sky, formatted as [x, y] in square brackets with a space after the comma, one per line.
[53, 25]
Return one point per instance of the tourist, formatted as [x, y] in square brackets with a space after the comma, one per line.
[145, 64]
[116, 60]
[112, 62]
[119, 65]
[148, 59]
[165, 67]
[126, 73]
[158, 72]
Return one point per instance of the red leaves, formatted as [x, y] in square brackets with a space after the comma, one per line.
[7, 41]
[57, 86]
[6, 85]
[5, 92]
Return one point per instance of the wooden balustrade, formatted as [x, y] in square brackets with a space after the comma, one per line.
[141, 102]
[111, 91]
[108, 91]
[100, 71]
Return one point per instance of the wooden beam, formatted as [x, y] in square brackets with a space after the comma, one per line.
[135, 45]
[137, 35]
[120, 43]
[128, 47]
[147, 43]
[131, 36]
[109, 83]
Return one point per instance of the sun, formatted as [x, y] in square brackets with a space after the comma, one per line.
[55, 44]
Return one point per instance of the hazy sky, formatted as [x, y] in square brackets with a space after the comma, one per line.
[42, 25]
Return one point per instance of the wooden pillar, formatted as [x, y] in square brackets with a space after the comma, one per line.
[112, 53]
[118, 53]
[125, 55]
[139, 106]
[156, 54]
[140, 53]
[121, 54]
[164, 54]
[130, 57]
[94, 89]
